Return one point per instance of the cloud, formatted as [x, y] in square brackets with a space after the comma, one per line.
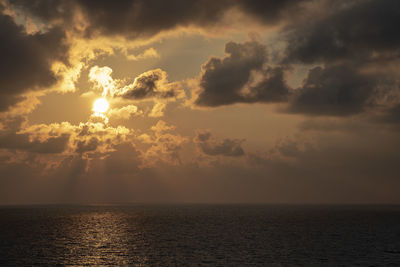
[88, 141]
[271, 12]
[27, 60]
[157, 110]
[151, 84]
[22, 142]
[359, 30]
[356, 44]
[350, 58]
[143, 18]
[241, 77]
[87, 145]
[148, 53]
[334, 90]
[164, 146]
[84, 139]
[124, 113]
[13, 139]
[101, 77]
[209, 146]
[161, 126]
[292, 148]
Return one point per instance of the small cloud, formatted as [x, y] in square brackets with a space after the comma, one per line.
[158, 110]
[101, 77]
[124, 112]
[210, 146]
[164, 145]
[87, 145]
[148, 53]
[162, 126]
[151, 84]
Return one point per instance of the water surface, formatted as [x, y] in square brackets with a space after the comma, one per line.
[200, 235]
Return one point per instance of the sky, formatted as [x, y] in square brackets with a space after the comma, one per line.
[172, 101]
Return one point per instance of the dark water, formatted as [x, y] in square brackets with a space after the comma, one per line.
[200, 235]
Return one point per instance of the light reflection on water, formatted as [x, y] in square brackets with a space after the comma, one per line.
[232, 235]
[97, 238]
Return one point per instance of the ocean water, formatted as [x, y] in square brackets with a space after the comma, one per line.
[200, 235]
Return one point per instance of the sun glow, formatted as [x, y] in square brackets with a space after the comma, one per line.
[102, 79]
[100, 105]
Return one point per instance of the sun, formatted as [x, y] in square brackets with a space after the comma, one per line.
[100, 105]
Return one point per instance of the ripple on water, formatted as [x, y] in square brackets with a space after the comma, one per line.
[206, 235]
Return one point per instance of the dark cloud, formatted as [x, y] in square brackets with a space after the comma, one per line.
[270, 12]
[12, 140]
[139, 18]
[288, 148]
[209, 146]
[151, 84]
[47, 10]
[334, 90]
[51, 145]
[87, 145]
[361, 31]
[354, 41]
[134, 18]
[22, 142]
[349, 40]
[241, 77]
[26, 60]
[203, 136]
[143, 17]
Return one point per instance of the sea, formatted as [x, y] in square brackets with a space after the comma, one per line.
[200, 235]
